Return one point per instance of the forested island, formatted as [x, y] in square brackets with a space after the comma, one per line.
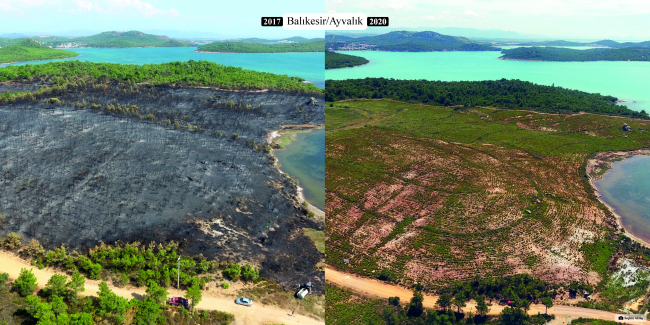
[403, 41]
[506, 94]
[295, 39]
[31, 50]
[190, 73]
[602, 43]
[564, 54]
[110, 39]
[242, 47]
[335, 60]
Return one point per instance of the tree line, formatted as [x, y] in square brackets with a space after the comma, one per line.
[564, 54]
[503, 93]
[190, 73]
[335, 60]
[60, 302]
[242, 47]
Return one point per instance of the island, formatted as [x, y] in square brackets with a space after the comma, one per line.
[111, 39]
[335, 60]
[566, 55]
[474, 193]
[249, 47]
[404, 41]
[31, 50]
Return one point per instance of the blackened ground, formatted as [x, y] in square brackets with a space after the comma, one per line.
[82, 176]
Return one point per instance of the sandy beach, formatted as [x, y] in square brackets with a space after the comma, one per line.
[598, 166]
[318, 213]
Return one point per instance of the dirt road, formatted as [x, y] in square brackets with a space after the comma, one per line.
[372, 287]
[258, 314]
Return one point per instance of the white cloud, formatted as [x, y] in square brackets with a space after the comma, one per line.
[470, 13]
[85, 5]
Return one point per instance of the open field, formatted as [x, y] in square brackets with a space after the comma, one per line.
[432, 194]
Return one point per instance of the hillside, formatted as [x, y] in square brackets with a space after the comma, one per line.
[422, 193]
[563, 54]
[30, 50]
[240, 47]
[335, 60]
[168, 159]
[129, 39]
[107, 39]
[296, 39]
[403, 41]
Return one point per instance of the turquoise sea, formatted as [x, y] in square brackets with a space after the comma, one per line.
[309, 66]
[628, 81]
[626, 188]
[304, 158]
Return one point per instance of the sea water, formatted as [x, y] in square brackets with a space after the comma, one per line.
[626, 188]
[625, 80]
[304, 158]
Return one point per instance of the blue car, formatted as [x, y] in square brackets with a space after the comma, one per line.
[244, 302]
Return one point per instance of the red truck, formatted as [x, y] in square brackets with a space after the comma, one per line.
[178, 301]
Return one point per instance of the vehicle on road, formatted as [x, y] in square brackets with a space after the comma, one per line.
[244, 302]
[178, 301]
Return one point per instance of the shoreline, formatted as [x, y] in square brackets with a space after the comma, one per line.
[293, 130]
[601, 164]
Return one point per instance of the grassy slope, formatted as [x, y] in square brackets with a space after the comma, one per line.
[445, 194]
[31, 51]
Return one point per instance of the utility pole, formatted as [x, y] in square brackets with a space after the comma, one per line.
[178, 284]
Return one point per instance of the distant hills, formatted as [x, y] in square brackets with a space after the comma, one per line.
[31, 50]
[110, 39]
[295, 39]
[603, 43]
[405, 41]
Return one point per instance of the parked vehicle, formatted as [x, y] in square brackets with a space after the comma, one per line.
[244, 302]
[178, 301]
[303, 290]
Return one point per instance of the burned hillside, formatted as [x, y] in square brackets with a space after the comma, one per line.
[84, 164]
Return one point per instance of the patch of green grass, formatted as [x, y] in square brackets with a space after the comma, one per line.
[318, 237]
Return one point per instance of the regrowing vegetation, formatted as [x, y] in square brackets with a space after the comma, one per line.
[562, 54]
[30, 50]
[335, 60]
[190, 73]
[163, 153]
[245, 47]
[478, 190]
[504, 94]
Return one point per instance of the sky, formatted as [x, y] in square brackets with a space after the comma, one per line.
[226, 18]
[563, 19]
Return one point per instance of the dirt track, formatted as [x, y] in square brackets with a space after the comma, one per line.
[372, 287]
[258, 314]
